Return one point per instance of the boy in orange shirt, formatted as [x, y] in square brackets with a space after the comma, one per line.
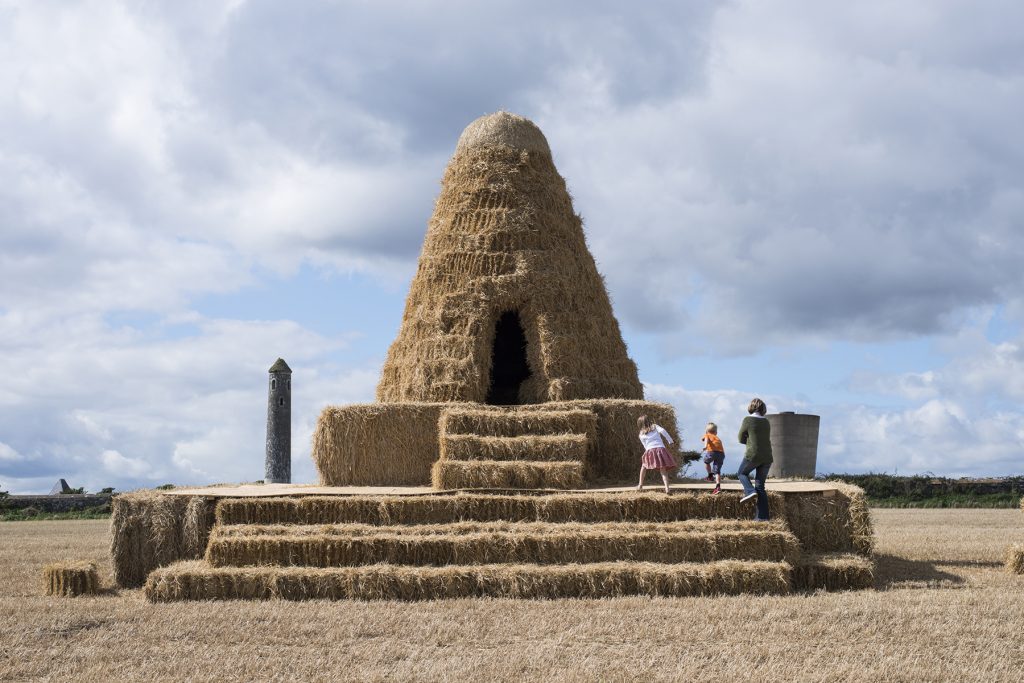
[714, 456]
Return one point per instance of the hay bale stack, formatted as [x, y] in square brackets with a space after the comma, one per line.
[480, 507]
[504, 241]
[231, 531]
[837, 522]
[150, 529]
[513, 544]
[199, 581]
[479, 421]
[397, 443]
[513, 474]
[833, 571]
[71, 578]
[1015, 559]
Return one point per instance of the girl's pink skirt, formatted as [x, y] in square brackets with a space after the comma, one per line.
[658, 458]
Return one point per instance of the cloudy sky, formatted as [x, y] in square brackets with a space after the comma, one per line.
[818, 203]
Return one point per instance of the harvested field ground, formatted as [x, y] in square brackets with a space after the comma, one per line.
[945, 609]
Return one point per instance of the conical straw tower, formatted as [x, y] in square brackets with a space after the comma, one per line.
[509, 370]
[507, 306]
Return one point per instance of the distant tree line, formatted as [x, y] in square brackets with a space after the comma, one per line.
[924, 490]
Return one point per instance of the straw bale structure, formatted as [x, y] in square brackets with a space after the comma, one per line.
[508, 389]
[536, 545]
[506, 544]
[149, 529]
[397, 444]
[837, 523]
[508, 348]
[588, 508]
[505, 265]
[199, 581]
[71, 578]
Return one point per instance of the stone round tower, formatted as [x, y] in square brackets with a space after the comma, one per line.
[279, 424]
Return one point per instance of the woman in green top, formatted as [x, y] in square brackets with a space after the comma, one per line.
[756, 433]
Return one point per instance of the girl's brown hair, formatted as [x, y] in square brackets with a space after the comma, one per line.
[757, 406]
[644, 424]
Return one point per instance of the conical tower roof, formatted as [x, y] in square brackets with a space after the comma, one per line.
[507, 297]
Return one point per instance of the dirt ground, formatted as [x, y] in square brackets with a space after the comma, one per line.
[943, 610]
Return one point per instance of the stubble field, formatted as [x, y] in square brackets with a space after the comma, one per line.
[944, 610]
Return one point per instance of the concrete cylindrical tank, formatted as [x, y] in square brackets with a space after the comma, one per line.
[794, 444]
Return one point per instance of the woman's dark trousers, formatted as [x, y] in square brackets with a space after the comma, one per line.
[760, 474]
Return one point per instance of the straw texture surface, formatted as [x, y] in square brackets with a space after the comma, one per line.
[199, 581]
[494, 474]
[504, 238]
[1015, 559]
[71, 578]
[149, 529]
[833, 571]
[547, 544]
[396, 444]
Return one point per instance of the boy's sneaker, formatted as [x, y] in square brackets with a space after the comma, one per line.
[716, 491]
[709, 478]
[748, 497]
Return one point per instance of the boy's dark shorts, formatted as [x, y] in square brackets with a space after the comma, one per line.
[716, 458]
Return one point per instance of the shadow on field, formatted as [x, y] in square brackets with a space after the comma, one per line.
[891, 571]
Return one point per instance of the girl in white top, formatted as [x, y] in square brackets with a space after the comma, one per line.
[656, 456]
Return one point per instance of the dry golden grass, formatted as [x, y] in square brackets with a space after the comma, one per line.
[945, 610]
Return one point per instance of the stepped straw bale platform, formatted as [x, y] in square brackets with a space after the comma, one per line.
[310, 542]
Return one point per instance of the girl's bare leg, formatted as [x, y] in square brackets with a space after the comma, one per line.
[664, 478]
[643, 472]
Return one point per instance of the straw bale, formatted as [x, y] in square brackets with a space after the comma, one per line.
[377, 444]
[1015, 559]
[493, 527]
[149, 529]
[840, 522]
[495, 474]
[199, 581]
[71, 578]
[547, 544]
[504, 238]
[496, 422]
[833, 571]
[481, 507]
[545, 447]
[503, 129]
